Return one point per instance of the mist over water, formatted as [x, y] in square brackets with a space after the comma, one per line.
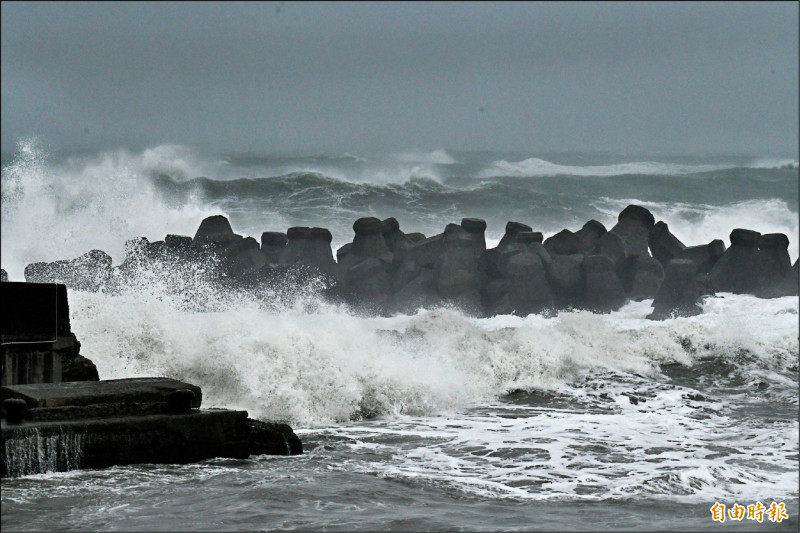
[61, 207]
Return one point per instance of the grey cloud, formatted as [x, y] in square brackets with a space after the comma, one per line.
[640, 77]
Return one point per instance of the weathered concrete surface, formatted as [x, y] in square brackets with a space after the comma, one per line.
[31, 367]
[111, 391]
[679, 292]
[273, 438]
[33, 447]
[59, 427]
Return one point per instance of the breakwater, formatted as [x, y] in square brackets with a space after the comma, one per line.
[385, 271]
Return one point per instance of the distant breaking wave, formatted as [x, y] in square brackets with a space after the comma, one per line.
[436, 157]
[535, 167]
[774, 162]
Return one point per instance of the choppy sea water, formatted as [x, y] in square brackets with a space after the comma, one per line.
[437, 420]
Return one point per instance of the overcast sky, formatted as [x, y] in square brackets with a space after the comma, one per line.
[303, 78]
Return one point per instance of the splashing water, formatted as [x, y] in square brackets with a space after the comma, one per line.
[58, 211]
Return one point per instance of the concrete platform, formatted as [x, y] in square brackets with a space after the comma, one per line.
[96, 424]
[121, 392]
[57, 446]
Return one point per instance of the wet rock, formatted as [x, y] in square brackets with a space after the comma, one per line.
[367, 285]
[404, 272]
[512, 228]
[565, 274]
[564, 242]
[415, 237]
[774, 276]
[493, 291]
[111, 441]
[528, 289]
[309, 246]
[589, 235]
[529, 237]
[735, 270]
[368, 240]
[89, 272]
[502, 306]
[611, 246]
[537, 248]
[215, 230]
[604, 290]
[178, 242]
[678, 293]
[426, 253]
[14, 410]
[704, 256]
[796, 276]
[273, 244]
[456, 270]
[242, 256]
[648, 275]
[344, 251]
[180, 401]
[418, 293]
[395, 239]
[273, 438]
[633, 227]
[78, 368]
[488, 263]
[663, 244]
[476, 228]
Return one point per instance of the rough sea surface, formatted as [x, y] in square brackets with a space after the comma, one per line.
[436, 420]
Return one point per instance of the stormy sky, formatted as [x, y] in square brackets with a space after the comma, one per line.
[660, 78]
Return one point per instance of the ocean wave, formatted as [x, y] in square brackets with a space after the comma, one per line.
[381, 172]
[696, 224]
[535, 167]
[774, 162]
[54, 210]
[311, 363]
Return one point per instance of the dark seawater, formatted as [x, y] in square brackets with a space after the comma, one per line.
[437, 420]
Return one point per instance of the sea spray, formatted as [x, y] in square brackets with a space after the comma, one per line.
[696, 223]
[56, 210]
[309, 362]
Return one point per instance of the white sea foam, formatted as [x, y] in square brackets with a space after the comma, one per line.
[774, 162]
[373, 172]
[665, 448]
[58, 211]
[312, 363]
[535, 167]
[436, 379]
[588, 440]
[697, 224]
[399, 168]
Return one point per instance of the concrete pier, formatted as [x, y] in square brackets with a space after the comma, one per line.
[72, 425]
